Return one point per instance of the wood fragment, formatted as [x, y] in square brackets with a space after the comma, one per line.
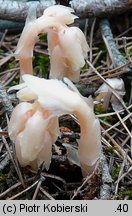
[15, 163]
[20, 193]
[46, 194]
[5, 100]
[120, 174]
[17, 10]
[5, 162]
[100, 8]
[106, 187]
[85, 182]
[116, 57]
[37, 188]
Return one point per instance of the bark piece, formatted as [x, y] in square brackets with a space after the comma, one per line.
[100, 8]
[115, 55]
[17, 10]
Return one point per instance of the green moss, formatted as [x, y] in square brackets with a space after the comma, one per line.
[102, 46]
[109, 149]
[125, 191]
[43, 37]
[84, 68]
[122, 52]
[15, 81]
[1, 52]
[130, 51]
[3, 178]
[115, 171]
[42, 62]
[99, 109]
[107, 119]
[11, 64]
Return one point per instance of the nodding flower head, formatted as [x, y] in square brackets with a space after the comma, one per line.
[68, 54]
[34, 124]
[67, 45]
[62, 13]
[104, 93]
[33, 130]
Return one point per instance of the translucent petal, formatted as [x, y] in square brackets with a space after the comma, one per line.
[46, 152]
[17, 87]
[20, 115]
[73, 42]
[33, 137]
[58, 66]
[116, 83]
[26, 94]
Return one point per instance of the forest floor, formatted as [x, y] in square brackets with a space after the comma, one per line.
[112, 179]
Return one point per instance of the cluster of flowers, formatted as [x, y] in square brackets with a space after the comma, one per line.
[34, 122]
[67, 46]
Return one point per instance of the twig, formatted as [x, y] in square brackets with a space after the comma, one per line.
[113, 113]
[125, 174]
[72, 135]
[130, 100]
[118, 123]
[10, 189]
[5, 100]
[105, 190]
[86, 27]
[112, 72]
[13, 161]
[20, 193]
[85, 182]
[5, 162]
[125, 141]
[125, 32]
[91, 39]
[3, 37]
[110, 146]
[5, 59]
[3, 133]
[13, 187]
[38, 187]
[120, 149]
[125, 48]
[46, 194]
[122, 122]
[120, 174]
[115, 55]
[6, 82]
[109, 125]
[88, 73]
[51, 176]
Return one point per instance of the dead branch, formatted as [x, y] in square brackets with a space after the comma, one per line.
[10, 25]
[115, 55]
[100, 8]
[105, 190]
[5, 162]
[5, 100]
[17, 10]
